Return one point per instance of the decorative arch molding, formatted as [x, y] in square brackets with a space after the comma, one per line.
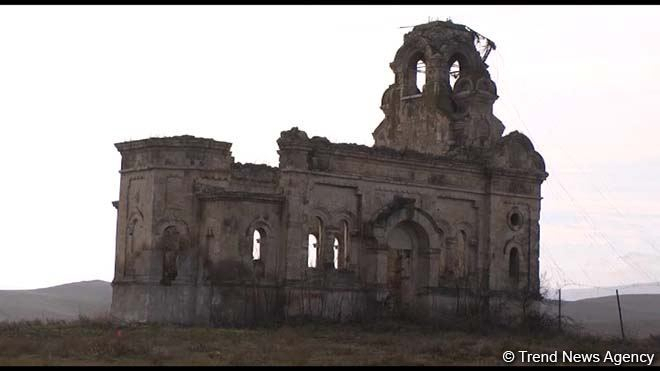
[136, 213]
[405, 65]
[181, 227]
[465, 57]
[389, 217]
[441, 225]
[522, 268]
[517, 242]
[322, 213]
[382, 215]
[470, 231]
[345, 216]
[259, 223]
[415, 48]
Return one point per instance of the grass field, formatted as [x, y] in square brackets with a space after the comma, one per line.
[98, 342]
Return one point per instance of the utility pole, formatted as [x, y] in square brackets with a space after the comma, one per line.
[559, 309]
[618, 303]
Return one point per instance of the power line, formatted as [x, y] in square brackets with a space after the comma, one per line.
[652, 244]
[584, 215]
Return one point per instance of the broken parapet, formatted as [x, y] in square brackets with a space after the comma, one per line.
[175, 152]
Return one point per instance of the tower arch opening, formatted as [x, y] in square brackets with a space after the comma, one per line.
[456, 64]
[415, 74]
[420, 75]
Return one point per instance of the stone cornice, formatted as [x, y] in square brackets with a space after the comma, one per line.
[463, 161]
[322, 145]
[404, 184]
[188, 168]
[186, 141]
[538, 176]
[241, 196]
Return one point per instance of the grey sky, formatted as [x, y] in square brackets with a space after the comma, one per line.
[581, 82]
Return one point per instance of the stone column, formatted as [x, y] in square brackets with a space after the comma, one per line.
[327, 252]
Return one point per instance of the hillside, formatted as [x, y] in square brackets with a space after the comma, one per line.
[572, 294]
[641, 314]
[66, 302]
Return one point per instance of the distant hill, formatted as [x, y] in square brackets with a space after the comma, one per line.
[67, 302]
[641, 314]
[586, 293]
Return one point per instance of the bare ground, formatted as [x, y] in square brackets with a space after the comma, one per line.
[98, 342]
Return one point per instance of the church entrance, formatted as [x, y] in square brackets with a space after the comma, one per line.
[404, 242]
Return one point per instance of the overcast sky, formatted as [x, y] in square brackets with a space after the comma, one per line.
[582, 82]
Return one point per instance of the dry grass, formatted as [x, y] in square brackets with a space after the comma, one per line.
[87, 342]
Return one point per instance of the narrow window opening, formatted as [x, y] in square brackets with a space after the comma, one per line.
[312, 242]
[335, 248]
[454, 72]
[256, 245]
[420, 75]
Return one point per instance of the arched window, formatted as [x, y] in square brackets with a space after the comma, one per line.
[454, 71]
[514, 265]
[335, 250]
[312, 243]
[414, 75]
[420, 75]
[256, 245]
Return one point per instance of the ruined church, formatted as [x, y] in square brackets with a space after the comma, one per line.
[440, 213]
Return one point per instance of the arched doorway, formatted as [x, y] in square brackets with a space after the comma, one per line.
[404, 261]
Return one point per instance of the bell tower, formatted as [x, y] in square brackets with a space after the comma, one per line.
[453, 109]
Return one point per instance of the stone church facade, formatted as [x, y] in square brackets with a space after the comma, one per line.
[441, 213]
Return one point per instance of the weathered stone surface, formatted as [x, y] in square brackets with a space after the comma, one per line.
[440, 214]
[438, 118]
